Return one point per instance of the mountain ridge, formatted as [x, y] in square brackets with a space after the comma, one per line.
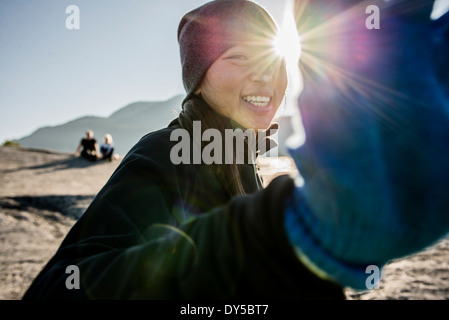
[127, 125]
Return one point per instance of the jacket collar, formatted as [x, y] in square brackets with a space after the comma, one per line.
[264, 138]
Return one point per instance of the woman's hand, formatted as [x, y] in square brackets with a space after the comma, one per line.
[375, 109]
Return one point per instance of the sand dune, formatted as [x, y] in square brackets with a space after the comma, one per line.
[42, 193]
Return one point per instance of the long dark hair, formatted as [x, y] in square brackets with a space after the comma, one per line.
[196, 109]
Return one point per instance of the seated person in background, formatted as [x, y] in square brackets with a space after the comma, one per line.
[89, 147]
[107, 148]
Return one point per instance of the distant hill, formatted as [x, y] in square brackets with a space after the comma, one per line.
[127, 125]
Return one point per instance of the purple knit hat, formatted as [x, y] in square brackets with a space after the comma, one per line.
[208, 31]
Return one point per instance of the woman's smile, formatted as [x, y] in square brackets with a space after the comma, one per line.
[257, 101]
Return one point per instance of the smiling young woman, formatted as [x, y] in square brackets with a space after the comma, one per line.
[233, 75]
[245, 88]
[158, 229]
[374, 169]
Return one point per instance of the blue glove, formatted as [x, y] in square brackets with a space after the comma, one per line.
[375, 110]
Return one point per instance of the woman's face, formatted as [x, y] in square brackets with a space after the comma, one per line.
[246, 85]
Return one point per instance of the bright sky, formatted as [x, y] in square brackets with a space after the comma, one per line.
[125, 51]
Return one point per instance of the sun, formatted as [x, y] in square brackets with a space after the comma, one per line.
[287, 42]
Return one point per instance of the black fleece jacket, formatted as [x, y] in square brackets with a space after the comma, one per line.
[162, 231]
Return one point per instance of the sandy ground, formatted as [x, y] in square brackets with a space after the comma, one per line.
[42, 193]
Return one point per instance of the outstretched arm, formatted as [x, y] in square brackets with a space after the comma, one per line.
[375, 110]
[141, 239]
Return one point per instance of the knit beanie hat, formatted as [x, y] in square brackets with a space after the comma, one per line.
[208, 31]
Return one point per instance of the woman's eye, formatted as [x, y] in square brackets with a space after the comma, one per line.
[239, 57]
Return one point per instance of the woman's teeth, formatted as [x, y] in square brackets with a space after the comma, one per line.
[258, 101]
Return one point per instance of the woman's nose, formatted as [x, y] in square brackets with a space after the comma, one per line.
[263, 77]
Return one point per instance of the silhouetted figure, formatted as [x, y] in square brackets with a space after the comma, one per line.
[88, 147]
[107, 148]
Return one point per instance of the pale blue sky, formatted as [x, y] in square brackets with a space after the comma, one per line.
[125, 51]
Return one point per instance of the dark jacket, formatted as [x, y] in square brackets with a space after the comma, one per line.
[162, 231]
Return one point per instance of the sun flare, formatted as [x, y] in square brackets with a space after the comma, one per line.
[287, 42]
